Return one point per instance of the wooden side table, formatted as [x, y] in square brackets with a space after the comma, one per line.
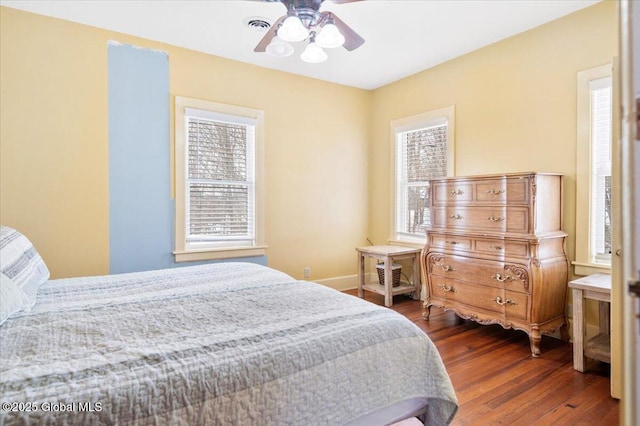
[595, 287]
[388, 254]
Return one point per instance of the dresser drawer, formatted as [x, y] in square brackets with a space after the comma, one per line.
[451, 242]
[452, 192]
[504, 303]
[512, 191]
[516, 305]
[489, 273]
[494, 219]
[502, 247]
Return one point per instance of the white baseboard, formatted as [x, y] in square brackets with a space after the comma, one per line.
[347, 282]
[350, 282]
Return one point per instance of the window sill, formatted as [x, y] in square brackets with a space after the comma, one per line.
[221, 253]
[584, 269]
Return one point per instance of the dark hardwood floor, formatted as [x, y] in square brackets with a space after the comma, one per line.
[498, 382]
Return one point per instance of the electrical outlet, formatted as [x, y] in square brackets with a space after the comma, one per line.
[307, 272]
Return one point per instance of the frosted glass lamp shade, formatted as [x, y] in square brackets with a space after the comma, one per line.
[313, 54]
[292, 30]
[330, 37]
[279, 48]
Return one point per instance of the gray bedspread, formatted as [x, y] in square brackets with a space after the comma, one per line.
[218, 344]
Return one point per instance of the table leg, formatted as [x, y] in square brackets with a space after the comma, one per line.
[360, 275]
[388, 282]
[578, 330]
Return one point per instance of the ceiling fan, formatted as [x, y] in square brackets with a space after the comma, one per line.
[305, 21]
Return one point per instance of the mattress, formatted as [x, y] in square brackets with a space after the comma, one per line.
[217, 344]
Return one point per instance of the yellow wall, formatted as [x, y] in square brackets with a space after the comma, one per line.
[54, 146]
[515, 106]
[53, 140]
[327, 145]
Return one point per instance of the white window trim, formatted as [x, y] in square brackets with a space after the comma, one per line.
[406, 124]
[583, 264]
[181, 252]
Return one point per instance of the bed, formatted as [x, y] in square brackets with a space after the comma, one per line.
[219, 344]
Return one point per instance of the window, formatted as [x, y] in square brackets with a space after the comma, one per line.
[593, 189]
[218, 181]
[601, 168]
[423, 150]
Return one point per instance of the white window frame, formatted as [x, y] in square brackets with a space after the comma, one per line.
[587, 262]
[415, 122]
[185, 252]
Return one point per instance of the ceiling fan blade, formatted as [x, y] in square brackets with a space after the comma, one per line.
[351, 39]
[262, 45]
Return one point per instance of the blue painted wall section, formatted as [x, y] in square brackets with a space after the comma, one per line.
[140, 205]
[141, 211]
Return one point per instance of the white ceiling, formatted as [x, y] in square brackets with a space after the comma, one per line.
[402, 37]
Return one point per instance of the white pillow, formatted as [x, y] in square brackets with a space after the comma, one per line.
[20, 261]
[12, 299]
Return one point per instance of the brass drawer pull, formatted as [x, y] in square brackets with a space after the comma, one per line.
[456, 192]
[495, 191]
[500, 302]
[454, 242]
[447, 288]
[455, 216]
[496, 247]
[445, 268]
[495, 219]
[502, 279]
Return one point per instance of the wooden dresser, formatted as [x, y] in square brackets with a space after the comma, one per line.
[495, 251]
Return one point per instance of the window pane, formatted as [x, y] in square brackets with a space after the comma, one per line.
[426, 154]
[607, 215]
[422, 155]
[601, 168]
[217, 151]
[218, 210]
[220, 181]
[417, 217]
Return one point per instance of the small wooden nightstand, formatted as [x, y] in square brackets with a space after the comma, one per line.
[595, 287]
[388, 254]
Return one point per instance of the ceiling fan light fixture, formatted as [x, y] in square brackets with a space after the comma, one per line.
[313, 54]
[330, 37]
[279, 48]
[293, 30]
[305, 22]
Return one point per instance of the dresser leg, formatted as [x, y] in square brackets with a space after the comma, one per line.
[534, 338]
[426, 310]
